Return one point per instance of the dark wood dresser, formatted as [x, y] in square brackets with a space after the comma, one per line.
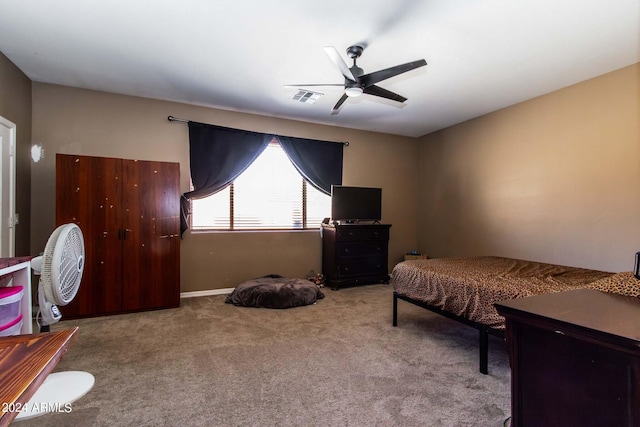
[355, 254]
[575, 359]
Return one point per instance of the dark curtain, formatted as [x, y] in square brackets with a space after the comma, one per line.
[319, 162]
[219, 155]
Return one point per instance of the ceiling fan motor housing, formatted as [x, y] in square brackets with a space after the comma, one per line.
[354, 51]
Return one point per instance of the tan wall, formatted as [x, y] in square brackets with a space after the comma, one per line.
[76, 121]
[553, 179]
[15, 105]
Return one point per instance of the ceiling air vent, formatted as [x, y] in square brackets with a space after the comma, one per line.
[306, 96]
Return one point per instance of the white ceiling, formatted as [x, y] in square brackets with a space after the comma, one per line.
[482, 55]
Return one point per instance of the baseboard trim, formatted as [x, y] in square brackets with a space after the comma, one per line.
[206, 293]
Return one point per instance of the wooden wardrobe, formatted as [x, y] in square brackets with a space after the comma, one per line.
[128, 211]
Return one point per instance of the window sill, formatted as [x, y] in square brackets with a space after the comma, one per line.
[276, 230]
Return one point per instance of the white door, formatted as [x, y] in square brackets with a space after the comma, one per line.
[8, 187]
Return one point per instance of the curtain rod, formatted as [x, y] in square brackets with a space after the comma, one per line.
[175, 119]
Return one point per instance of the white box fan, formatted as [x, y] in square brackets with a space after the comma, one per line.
[60, 268]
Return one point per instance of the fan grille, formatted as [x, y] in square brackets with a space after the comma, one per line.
[63, 264]
[71, 265]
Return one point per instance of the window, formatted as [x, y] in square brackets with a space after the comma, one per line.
[270, 194]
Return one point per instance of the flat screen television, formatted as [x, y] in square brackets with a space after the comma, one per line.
[353, 204]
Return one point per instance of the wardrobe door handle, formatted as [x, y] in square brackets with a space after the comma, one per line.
[122, 233]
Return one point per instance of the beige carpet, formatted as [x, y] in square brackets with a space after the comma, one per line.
[336, 363]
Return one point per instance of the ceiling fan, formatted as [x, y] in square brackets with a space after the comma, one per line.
[356, 82]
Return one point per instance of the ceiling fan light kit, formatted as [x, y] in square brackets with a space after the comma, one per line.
[353, 91]
[356, 82]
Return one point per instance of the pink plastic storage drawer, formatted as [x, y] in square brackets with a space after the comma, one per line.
[11, 328]
[10, 298]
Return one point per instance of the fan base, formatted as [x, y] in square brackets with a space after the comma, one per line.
[56, 394]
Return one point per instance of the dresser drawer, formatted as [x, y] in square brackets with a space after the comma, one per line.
[362, 266]
[365, 249]
[368, 233]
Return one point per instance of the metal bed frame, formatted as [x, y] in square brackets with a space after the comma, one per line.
[484, 330]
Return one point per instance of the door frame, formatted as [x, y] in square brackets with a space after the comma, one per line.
[10, 222]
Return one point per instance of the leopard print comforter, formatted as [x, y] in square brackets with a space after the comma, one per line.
[468, 287]
[624, 283]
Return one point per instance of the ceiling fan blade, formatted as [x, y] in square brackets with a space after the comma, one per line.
[315, 85]
[337, 59]
[384, 93]
[336, 107]
[377, 76]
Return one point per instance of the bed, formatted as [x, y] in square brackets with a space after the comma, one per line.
[465, 289]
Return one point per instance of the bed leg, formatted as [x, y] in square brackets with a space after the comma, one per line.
[484, 352]
[395, 309]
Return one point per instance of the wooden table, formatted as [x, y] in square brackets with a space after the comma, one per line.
[25, 362]
[575, 359]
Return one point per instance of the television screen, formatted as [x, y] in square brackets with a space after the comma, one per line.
[356, 203]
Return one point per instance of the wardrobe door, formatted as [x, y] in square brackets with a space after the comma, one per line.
[88, 194]
[151, 239]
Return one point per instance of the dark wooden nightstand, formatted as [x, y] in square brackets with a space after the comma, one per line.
[575, 359]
